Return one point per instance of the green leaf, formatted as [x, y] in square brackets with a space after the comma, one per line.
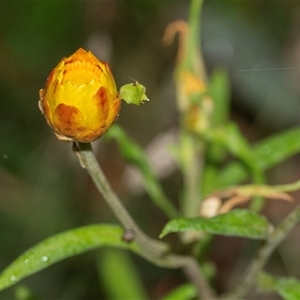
[277, 148]
[116, 269]
[266, 282]
[219, 89]
[267, 153]
[287, 287]
[230, 137]
[134, 154]
[191, 60]
[61, 246]
[183, 292]
[133, 93]
[238, 222]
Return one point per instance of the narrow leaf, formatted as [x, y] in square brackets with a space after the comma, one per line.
[287, 287]
[219, 89]
[134, 154]
[240, 194]
[277, 148]
[116, 269]
[61, 246]
[183, 292]
[230, 137]
[267, 153]
[266, 282]
[238, 222]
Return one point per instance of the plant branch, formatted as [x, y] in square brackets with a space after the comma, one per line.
[88, 161]
[153, 250]
[191, 148]
[290, 187]
[192, 271]
[263, 254]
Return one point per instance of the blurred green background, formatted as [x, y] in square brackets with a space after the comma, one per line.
[44, 191]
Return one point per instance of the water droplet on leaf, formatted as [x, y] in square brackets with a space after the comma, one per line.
[44, 258]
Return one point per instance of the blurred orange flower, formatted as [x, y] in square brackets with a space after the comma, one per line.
[80, 100]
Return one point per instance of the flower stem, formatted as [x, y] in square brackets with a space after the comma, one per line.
[153, 250]
[263, 254]
[89, 162]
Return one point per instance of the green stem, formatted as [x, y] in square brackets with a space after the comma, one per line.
[290, 187]
[191, 147]
[150, 247]
[192, 60]
[153, 250]
[263, 254]
[192, 169]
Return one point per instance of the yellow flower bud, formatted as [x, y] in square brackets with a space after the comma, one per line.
[80, 100]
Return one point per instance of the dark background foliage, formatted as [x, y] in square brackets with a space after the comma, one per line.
[43, 189]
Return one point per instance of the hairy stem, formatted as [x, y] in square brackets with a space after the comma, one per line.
[153, 250]
[263, 254]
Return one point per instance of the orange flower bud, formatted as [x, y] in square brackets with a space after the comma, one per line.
[80, 100]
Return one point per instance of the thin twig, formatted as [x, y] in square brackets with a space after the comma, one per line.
[290, 187]
[89, 162]
[192, 271]
[155, 251]
[263, 254]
